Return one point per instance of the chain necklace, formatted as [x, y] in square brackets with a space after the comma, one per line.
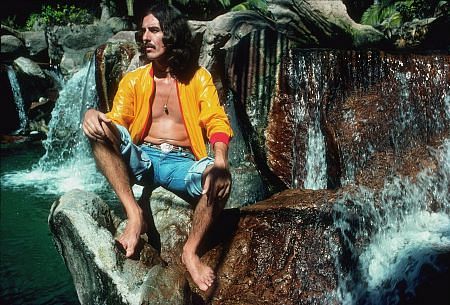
[166, 109]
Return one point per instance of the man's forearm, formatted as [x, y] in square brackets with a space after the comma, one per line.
[220, 154]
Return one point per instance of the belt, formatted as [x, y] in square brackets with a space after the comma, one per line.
[166, 147]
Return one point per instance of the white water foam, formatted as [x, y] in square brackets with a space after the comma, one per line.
[67, 163]
[407, 231]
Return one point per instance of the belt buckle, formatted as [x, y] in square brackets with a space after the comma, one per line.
[166, 147]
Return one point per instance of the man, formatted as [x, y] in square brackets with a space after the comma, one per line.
[154, 135]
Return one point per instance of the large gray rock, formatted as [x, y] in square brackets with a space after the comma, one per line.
[70, 46]
[306, 23]
[11, 46]
[36, 44]
[84, 228]
[29, 67]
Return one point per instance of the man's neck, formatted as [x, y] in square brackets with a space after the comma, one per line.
[161, 71]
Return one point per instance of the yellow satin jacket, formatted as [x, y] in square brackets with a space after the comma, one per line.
[199, 103]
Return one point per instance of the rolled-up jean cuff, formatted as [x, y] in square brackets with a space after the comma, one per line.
[132, 155]
[194, 176]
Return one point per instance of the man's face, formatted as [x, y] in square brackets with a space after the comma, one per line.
[152, 37]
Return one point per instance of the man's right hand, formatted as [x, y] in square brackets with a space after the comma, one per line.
[92, 125]
[130, 238]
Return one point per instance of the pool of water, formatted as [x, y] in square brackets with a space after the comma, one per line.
[31, 269]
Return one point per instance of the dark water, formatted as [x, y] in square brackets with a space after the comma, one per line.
[31, 269]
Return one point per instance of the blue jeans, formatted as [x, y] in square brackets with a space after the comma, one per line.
[176, 171]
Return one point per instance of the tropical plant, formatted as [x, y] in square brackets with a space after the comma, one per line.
[61, 15]
[387, 14]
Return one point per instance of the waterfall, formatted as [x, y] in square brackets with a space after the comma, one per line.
[67, 163]
[405, 234]
[23, 119]
[395, 237]
[309, 83]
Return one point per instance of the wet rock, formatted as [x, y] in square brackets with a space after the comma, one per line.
[112, 61]
[276, 251]
[84, 228]
[29, 67]
[346, 93]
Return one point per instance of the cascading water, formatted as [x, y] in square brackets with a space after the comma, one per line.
[398, 237]
[67, 163]
[406, 233]
[309, 82]
[23, 119]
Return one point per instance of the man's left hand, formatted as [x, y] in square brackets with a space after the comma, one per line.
[217, 184]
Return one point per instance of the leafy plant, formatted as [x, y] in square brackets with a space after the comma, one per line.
[387, 14]
[61, 15]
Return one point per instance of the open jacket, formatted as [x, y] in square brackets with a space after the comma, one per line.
[199, 103]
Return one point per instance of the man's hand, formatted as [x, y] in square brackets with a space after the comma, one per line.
[129, 240]
[92, 125]
[217, 184]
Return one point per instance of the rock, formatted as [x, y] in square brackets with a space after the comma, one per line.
[117, 24]
[29, 67]
[335, 13]
[11, 46]
[112, 61]
[286, 106]
[36, 44]
[69, 46]
[225, 31]
[263, 254]
[84, 229]
[275, 252]
[34, 82]
[124, 36]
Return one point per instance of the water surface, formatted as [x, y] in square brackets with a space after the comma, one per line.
[31, 269]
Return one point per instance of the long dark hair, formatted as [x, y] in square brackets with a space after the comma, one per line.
[177, 39]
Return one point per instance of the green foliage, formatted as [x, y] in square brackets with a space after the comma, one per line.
[387, 14]
[61, 15]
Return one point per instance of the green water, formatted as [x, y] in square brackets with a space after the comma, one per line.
[31, 269]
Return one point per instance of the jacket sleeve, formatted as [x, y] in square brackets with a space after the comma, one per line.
[212, 114]
[122, 111]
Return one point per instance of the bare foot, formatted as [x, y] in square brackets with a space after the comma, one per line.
[131, 236]
[202, 275]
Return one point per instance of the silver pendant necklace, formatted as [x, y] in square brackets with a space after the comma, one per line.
[165, 108]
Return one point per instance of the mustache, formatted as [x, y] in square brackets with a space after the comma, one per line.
[148, 45]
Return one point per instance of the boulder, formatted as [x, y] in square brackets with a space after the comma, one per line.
[70, 46]
[11, 46]
[36, 44]
[263, 254]
[84, 229]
